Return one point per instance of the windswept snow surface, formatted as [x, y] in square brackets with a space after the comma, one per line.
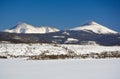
[94, 27]
[60, 69]
[56, 49]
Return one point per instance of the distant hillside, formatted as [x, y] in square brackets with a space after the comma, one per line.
[90, 33]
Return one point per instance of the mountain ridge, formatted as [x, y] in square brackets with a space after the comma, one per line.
[85, 36]
[27, 28]
[91, 26]
[94, 27]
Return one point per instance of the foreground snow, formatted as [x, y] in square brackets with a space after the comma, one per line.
[60, 69]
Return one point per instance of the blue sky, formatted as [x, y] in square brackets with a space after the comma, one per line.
[62, 14]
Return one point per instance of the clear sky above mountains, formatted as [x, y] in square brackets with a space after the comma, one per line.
[62, 14]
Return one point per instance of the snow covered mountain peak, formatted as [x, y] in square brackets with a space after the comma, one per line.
[22, 26]
[27, 28]
[94, 27]
[91, 23]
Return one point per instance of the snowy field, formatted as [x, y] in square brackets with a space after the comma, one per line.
[56, 49]
[60, 69]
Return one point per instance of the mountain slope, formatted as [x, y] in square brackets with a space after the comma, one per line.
[90, 33]
[72, 37]
[94, 27]
[26, 28]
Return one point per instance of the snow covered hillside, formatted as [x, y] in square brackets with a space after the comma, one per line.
[11, 50]
[60, 69]
[26, 28]
[88, 27]
[94, 27]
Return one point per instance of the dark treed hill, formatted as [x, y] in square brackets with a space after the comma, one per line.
[62, 37]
